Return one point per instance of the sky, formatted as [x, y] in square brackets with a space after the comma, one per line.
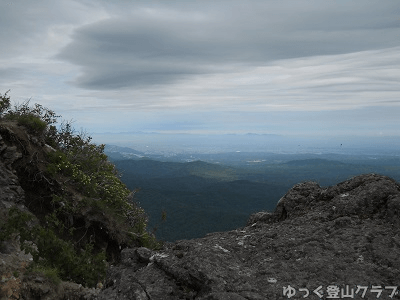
[288, 67]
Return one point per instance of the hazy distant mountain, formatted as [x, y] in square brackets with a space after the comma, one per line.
[114, 148]
[120, 153]
[314, 162]
[263, 134]
[147, 168]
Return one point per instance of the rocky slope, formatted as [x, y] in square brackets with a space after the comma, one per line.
[73, 230]
[339, 241]
[24, 185]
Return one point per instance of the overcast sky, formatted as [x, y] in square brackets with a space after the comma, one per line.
[313, 67]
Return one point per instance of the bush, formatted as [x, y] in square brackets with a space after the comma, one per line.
[37, 119]
[4, 102]
[33, 123]
[51, 252]
[95, 177]
[20, 110]
[51, 274]
[79, 166]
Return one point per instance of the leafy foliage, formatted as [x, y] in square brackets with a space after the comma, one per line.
[32, 122]
[51, 273]
[37, 118]
[4, 102]
[82, 167]
[50, 252]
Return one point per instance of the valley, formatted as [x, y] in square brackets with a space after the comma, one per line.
[202, 193]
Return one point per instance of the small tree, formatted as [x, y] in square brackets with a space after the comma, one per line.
[38, 119]
[4, 103]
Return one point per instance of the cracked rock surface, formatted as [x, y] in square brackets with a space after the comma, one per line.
[347, 236]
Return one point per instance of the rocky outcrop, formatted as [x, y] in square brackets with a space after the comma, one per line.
[11, 191]
[319, 242]
[23, 185]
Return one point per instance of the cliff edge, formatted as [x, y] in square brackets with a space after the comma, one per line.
[341, 241]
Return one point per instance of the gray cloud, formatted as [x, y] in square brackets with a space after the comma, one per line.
[25, 24]
[159, 44]
[206, 65]
[11, 73]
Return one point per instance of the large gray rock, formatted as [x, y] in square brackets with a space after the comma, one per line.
[345, 236]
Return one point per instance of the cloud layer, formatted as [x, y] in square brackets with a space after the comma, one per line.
[193, 65]
[162, 45]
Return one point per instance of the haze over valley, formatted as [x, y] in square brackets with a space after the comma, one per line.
[171, 144]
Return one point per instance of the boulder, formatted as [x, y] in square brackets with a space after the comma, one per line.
[341, 240]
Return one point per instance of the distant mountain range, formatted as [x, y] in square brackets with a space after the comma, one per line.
[200, 197]
[114, 148]
[147, 168]
[117, 152]
[314, 162]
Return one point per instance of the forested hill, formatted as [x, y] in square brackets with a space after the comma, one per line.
[147, 168]
[197, 197]
[200, 197]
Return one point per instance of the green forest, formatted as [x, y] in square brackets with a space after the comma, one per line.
[200, 197]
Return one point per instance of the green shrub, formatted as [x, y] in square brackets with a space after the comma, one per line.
[51, 274]
[46, 115]
[33, 123]
[79, 165]
[51, 252]
[4, 102]
[37, 119]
